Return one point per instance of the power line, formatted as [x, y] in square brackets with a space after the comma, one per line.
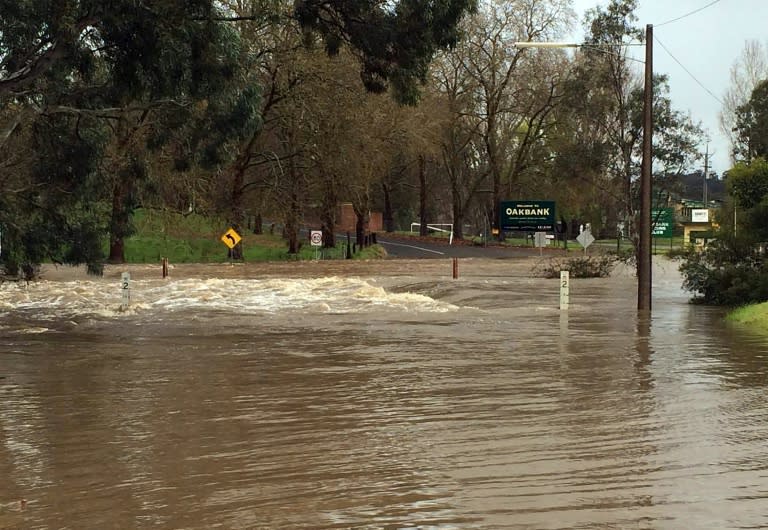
[595, 48]
[687, 14]
[708, 91]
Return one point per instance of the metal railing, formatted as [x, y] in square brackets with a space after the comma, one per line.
[435, 227]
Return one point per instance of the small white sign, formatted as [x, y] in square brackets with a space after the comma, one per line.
[540, 238]
[316, 238]
[699, 216]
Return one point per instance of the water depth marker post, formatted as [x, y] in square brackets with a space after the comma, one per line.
[565, 289]
[125, 288]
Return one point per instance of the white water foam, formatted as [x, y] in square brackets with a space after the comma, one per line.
[49, 299]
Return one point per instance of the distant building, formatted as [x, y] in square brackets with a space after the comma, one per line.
[348, 219]
[697, 220]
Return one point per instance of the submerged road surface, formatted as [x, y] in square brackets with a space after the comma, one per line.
[375, 394]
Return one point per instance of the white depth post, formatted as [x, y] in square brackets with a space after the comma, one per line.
[125, 288]
[565, 288]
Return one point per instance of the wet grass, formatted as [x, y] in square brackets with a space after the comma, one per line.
[753, 315]
[197, 239]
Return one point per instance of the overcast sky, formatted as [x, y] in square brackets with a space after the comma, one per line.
[707, 44]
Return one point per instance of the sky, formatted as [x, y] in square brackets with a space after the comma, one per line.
[707, 44]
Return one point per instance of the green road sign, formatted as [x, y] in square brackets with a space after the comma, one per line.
[531, 216]
[663, 222]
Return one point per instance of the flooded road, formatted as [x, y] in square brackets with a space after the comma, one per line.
[375, 395]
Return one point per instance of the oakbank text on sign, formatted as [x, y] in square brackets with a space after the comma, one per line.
[532, 216]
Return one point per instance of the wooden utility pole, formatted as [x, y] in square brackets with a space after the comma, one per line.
[706, 173]
[644, 262]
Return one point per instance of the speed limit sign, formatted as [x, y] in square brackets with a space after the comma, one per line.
[316, 237]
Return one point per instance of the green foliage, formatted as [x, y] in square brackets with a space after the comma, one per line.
[754, 315]
[143, 50]
[152, 248]
[675, 136]
[599, 135]
[95, 89]
[110, 106]
[729, 271]
[52, 209]
[747, 183]
[396, 40]
[372, 252]
[613, 23]
[752, 125]
[196, 239]
[599, 266]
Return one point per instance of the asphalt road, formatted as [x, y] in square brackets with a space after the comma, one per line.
[408, 248]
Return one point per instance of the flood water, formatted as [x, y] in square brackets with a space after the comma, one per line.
[375, 395]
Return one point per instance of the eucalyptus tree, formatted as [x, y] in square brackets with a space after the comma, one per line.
[605, 81]
[338, 127]
[606, 93]
[274, 67]
[457, 95]
[328, 138]
[360, 140]
[89, 81]
[752, 125]
[747, 71]
[395, 41]
[501, 97]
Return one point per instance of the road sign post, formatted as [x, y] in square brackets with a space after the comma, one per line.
[585, 239]
[316, 240]
[231, 239]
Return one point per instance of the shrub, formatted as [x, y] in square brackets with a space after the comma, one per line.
[581, 267]
[728, 272]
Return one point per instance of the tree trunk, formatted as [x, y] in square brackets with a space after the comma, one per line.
[293, 211]
[361, 223]
[120, 219]
[329, 236]
[422, 197]
[458, 213]
[257, 224]
[236, 210]
[292, 225]
[389, 218]
[328, 213]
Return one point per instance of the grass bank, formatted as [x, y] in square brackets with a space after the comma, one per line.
[197, 239]
[754, 315]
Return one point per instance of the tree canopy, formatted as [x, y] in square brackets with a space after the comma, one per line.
[395, 40]
[91, 86]
[752, 124]
[251, 110]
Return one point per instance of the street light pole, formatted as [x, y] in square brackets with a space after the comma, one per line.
[644, 259]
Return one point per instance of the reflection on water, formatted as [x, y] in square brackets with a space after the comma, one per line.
[383, 395]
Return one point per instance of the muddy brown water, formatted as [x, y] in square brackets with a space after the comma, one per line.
[375, 395]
